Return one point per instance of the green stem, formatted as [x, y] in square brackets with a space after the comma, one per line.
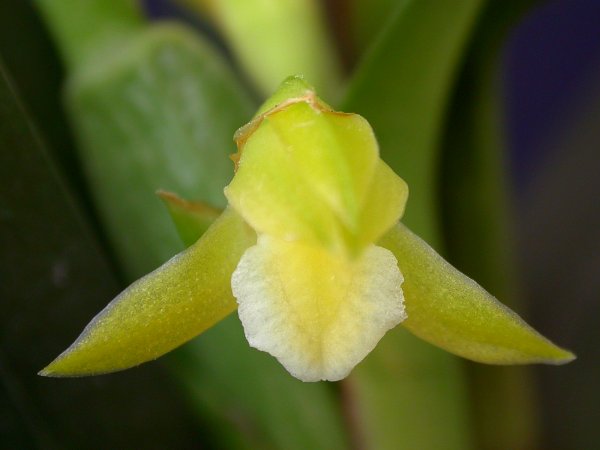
[85, 29]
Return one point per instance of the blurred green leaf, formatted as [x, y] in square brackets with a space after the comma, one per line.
[91, 30]
[474, 183]
[53, 276]
[368, 19]
[478, 225]
[406, 392]
[159, 113]
[402, 88]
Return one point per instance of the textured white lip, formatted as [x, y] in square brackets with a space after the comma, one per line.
[281, 317]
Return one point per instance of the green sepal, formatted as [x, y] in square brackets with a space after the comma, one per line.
[191, 218]
[181, 299]
[448, 309]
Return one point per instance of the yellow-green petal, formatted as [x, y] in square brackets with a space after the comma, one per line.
[164, 309]
[386, 201]
[448, 309]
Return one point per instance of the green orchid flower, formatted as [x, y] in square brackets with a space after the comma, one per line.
[312, 254]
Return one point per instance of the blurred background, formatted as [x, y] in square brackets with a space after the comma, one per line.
[552, 74]
[59, 265]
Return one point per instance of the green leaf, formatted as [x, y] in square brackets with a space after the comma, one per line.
[164, 309]
[474, 181]
[368, 18]
[159, 115]
[402, 88]
[191, 219]
[54, 277]
[450, 310]
[91, 30]
[477, 222]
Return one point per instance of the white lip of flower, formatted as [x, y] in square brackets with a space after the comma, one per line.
[318, 321]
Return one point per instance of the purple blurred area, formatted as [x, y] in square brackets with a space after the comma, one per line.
[551, 60]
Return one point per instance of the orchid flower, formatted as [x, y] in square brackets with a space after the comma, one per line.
[312, 254]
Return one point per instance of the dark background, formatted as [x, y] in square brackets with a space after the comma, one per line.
[552, 76]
